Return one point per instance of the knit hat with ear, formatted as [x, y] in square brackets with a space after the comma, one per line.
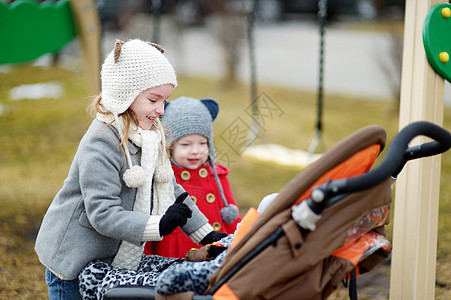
[131, 68]
[184, 116]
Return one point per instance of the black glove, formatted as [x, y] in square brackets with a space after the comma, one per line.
[176, 215]
[213, 236]
[216, 250]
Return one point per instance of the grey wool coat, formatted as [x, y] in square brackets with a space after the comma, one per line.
[92, 213]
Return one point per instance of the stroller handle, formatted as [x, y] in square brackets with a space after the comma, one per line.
[397, 156]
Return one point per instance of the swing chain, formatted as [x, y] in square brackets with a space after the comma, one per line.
[156, 13]
[322, 17]
[322, 11]
[250, 7]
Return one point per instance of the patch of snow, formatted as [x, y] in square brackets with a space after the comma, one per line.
[280, 155]
[5, 68]
[36, 91]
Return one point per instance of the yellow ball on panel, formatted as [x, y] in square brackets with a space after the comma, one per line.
[446, 12]
[444, 57]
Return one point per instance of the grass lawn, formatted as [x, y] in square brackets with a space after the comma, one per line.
[39, 138]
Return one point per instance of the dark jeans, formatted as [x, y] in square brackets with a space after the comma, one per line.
[61, 289]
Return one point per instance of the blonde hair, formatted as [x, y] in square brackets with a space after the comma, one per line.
[128, 117]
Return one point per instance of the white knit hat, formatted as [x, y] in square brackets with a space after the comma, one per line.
[131, 68]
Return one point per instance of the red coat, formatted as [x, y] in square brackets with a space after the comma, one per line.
[201, 186]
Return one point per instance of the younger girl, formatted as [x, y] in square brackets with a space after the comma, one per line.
[188, 124]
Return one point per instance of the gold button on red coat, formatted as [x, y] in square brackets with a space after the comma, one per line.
[216, 226]
[210, 198]
[185, 175]
[194, 199]
[203, 172]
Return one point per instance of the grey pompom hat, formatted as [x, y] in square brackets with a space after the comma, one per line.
[184, 116]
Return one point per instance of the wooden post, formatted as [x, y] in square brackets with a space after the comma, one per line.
[416, 200]
[89, 34]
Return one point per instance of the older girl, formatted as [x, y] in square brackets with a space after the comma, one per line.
[120, 191]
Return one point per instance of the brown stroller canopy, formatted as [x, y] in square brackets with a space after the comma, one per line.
[301, 266]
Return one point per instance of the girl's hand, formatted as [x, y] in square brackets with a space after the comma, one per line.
[176, 215]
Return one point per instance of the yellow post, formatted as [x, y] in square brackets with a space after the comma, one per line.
[417, 189]
[89, 34]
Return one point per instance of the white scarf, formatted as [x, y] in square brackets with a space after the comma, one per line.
[156, 167]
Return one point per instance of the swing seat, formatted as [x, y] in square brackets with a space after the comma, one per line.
[347, 240]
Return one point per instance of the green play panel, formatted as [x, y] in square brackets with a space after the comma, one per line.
[437, 39]
[29, 30]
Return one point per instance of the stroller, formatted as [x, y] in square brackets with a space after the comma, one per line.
[325, 226]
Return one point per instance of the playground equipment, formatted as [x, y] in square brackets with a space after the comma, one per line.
[436, 30]
[34, 29]
[413, 263]
[425, 66]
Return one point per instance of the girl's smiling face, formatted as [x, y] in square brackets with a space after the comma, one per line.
[191, 151]
[149, 105]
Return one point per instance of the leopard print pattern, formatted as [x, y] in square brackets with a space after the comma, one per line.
[190, 276]
[98, 277]
[167, 275]
[187, 276]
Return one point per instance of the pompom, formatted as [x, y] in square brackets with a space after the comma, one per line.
[229, 213]
[134, 177]
[163, 173]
